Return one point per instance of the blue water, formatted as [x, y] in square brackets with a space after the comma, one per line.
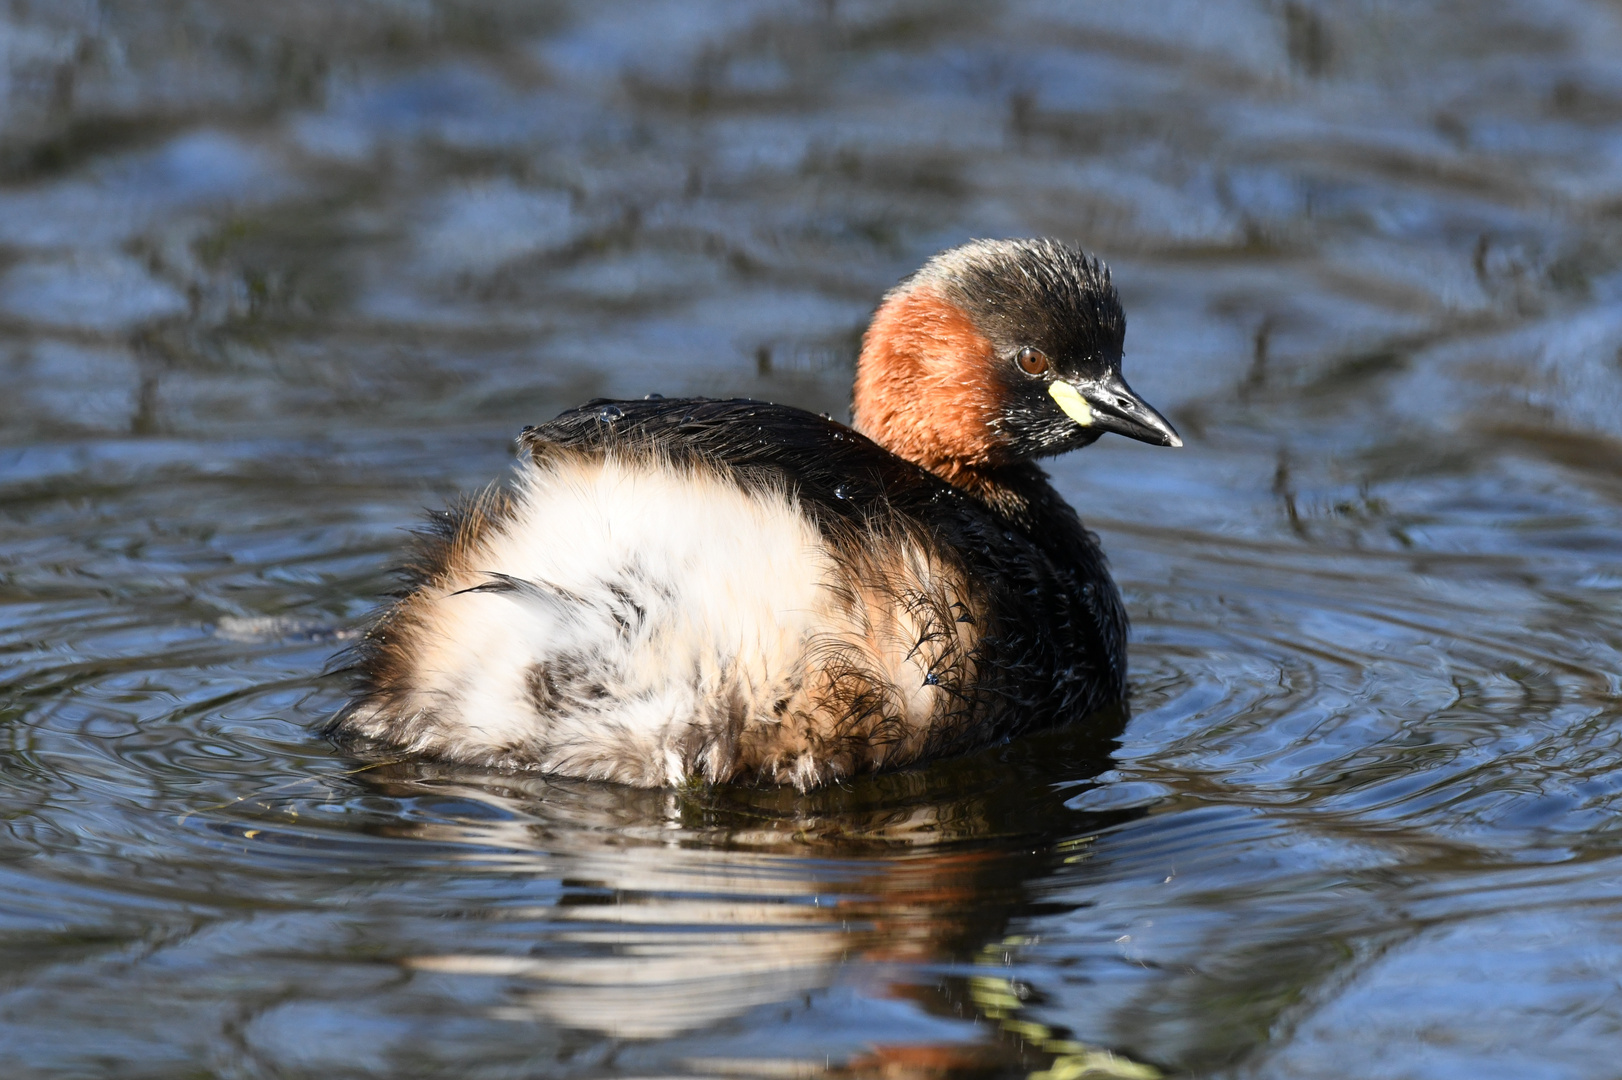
[274, 277]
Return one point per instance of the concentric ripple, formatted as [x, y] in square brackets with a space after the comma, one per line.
[1338, 755]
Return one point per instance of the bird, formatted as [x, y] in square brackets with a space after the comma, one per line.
[697, 591]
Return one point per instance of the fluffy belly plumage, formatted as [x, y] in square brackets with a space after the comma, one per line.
[630, 618]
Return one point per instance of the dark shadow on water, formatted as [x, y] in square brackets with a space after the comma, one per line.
[702, 920]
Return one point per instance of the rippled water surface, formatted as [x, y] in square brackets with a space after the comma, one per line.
[275, 276]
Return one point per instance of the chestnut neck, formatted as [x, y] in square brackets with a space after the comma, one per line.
[924, 390]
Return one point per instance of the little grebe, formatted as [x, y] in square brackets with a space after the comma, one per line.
[736, 591]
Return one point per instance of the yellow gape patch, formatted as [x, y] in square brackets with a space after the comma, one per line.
[1070, 400]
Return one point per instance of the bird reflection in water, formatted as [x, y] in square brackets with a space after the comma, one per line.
[695, 920]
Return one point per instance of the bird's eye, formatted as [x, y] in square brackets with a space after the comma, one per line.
[1031, 361]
